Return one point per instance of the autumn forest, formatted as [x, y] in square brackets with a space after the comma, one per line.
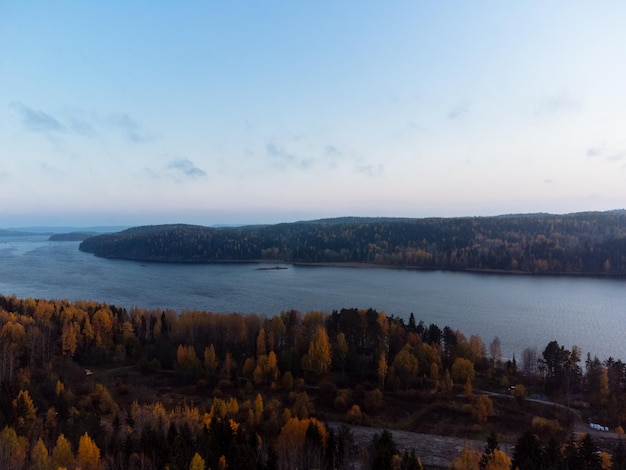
[90, 385]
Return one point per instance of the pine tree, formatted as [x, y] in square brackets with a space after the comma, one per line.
[492, 444]
[384, 450]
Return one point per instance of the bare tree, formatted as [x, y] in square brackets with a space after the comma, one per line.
[529, 362]
[495, 352]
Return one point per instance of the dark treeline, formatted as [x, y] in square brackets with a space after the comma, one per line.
[583, 243]
[90, 385]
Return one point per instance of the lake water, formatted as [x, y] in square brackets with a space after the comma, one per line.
[523, 311]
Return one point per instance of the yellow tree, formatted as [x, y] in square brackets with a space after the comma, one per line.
[271, 366]
[469, 459]
[88, 456]
[261, 348]
[258, 408]
[210, 360]
[478, 348]
[405, 366]
[498, 460]
[39, 458]
[228, 364]
[197, 463]
[291, 441]
[25, 413]
[12, 346]
[102, 324]
[62, 455]
[462, 370]
[276, 333]
[318, 358]
[102, 401]
[383, 367]
[187, 360]
[482, 409]
[13, 449]
[69, 340]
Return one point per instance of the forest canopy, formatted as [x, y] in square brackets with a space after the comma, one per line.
[591, 243]
[90, 385]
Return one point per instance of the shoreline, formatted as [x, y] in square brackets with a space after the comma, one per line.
[352, 264]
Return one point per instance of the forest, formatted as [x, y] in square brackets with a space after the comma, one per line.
[592, 243]
[87, 385]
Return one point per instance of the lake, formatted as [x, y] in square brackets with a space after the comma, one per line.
[523, 311]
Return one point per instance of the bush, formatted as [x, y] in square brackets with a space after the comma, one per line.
[374, 401]
[354, 415]
[519, 393]
[482, 409]
[343, 400]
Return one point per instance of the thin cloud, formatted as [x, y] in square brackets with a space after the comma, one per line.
[152, 174]
[369, 169]
[282, 158]
[129, 127]
[75, 123]
[275, 151]
[601, 152]
[558, 104]
[594, 152]
[187, 168]
[616, 157]
[332, 155]
[38, 121]
[81, 126]
[331, 151]
[458, 112]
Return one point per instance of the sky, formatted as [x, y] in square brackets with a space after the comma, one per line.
[261, 111]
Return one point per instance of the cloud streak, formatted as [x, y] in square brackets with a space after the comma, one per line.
[187, 168]
[369, 169]
[324, 157]
[283, 159]
[75, 123]
[37, 120]
[458, 112]
[129, 128]
[560, 103]
[601, 152]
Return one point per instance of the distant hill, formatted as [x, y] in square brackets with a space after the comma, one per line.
[71, 236]
[19, 233]
[581, 243]
[47, 230]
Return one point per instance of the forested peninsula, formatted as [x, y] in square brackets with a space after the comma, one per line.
[590, 243]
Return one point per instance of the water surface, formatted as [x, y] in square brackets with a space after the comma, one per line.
[523, 311]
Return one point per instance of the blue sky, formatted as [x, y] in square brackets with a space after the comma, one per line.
[265, 111]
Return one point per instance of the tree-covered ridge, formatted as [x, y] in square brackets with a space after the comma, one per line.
[582, 243]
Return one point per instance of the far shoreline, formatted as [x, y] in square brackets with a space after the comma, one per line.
[339, 264]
